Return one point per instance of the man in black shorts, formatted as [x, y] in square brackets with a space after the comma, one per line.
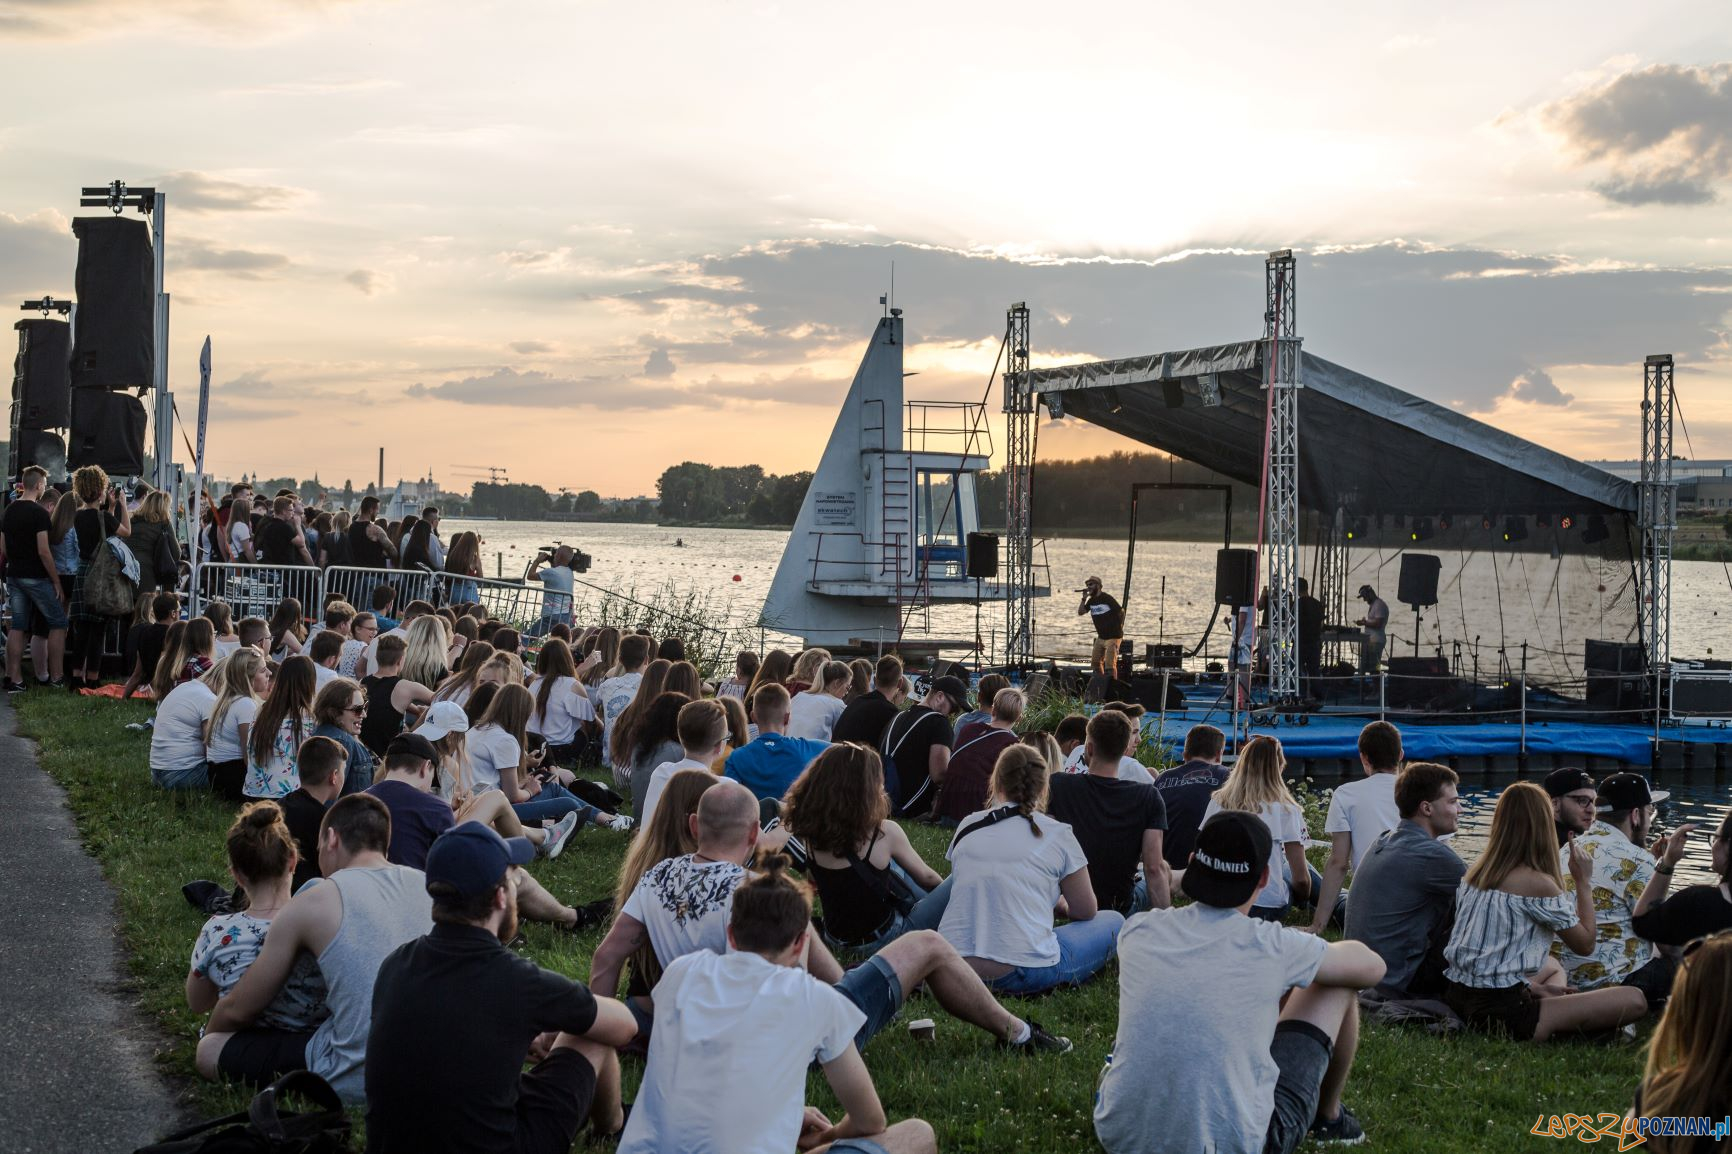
[455, 1014]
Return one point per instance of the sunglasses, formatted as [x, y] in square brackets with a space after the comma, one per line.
[1691, 947]
[357, 710]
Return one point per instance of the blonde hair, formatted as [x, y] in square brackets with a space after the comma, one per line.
[1255, 780]
[809, 667]
[1522, 834]
[1019, 777]
[154, 507]
[1046, 745]
[236, 673]
[424, 659]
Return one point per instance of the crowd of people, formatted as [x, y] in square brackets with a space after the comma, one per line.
[397, 770]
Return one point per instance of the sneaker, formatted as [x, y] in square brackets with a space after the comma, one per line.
[588, 916]
[60, 683]
[1343, 1129]
[14, 687]
[622, 822]
[1039, 1042]
[558, 834]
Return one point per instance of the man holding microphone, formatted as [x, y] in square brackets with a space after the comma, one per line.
[1109, 622]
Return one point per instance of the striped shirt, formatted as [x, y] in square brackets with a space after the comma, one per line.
[1501, 939]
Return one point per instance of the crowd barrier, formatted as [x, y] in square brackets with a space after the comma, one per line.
[254, 590]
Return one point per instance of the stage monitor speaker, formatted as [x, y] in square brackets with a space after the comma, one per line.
[1146, 692]
[1235, 577]
[1157, 656]
[1702, 696]
[38, 447]
[1418, 586]
[983, 555]
[114, 346]
[1418, 681]
[1103, 688]
[1173, 393]
[42, 373]
[107, 430]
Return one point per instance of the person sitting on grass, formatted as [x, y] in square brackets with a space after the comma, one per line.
[1070, 733]
[1256, 1069]
[916, 747]
[860, 859]
[245, 679]
[1255, 786]
[285, 719]
[769, 764]
[745, 668]
[393, 701]
[177, 737]
[454, 1079]
[681, 905]
[188, 653]
[325, 650]
[1693, 911]
[255, 633]
[499, 759]
[1360, 812]
[1186, 789]
[1405, 884]
[222, 620]
[1010, 866]
[703, 731]
[1130, 769]
[1512, 902]
[1573, 798]
[615, 694]
[321, 765]
[148, 641]
[1691, 1051]
[1119, 824]
[985, 691]
[812, 713]
[968, 775]
[867, 717]
[563, 713]
[745, 1025]
[362, 629]
[808, 671]
[381, 906]
[340, 708]
[262, 858]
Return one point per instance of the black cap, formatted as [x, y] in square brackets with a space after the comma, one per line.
[1627, 791]
[1561, 782]
[953, 688]
[1227, 866]
[412, 744]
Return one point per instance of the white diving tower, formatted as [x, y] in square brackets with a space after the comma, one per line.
[884, 530]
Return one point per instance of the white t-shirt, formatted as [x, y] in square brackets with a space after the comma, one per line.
[225, 739]
[1364, 808]
[349, 661]
[1286, 823]
[566, 710]
[1130, 769]
[612, 696]
[727, 1065]
[492, 751]
[813, 715]
[323, 675]
[240, 532]
[371, 664]
[1006, 883]
[658, 781]
[177, 737]
[684, 905]
[224, 648]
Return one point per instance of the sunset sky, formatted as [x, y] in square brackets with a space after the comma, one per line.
[587, 241]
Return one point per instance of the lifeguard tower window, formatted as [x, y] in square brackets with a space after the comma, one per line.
[938, 524]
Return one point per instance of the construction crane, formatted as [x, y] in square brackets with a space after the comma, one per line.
[496, 474]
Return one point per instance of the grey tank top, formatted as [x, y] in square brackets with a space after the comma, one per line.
[382, 909]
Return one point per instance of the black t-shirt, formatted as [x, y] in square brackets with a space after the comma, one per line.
[453, 1016]
[1109, 818]
[1109, 619]
[907, 751]
[302, 813]
[23, 520]
[145, 643]
[382, 722]
[865, 719]
[1310, 622]
[93, 527]
[1186, 790]
[1691, 913]
[276, 543]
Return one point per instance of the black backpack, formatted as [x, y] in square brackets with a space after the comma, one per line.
[265, 1128]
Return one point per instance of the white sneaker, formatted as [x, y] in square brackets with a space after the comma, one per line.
[558, 834]
[620, 821]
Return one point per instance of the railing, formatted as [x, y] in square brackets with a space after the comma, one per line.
[356, 585]
[254, 590]
[925, 422]
[520, 604]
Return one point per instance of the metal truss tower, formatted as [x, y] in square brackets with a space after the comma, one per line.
[1281, 501]
[1657, 510]
[1330, 586]
[1019, 423]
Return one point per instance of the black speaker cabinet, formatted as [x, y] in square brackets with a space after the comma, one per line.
[42, 373]
[38, 447]
[107, 430]
[983, 555]
[1702, 696]
[1617, 675]
[1235, 576]
[114, 346]
[1419, 579]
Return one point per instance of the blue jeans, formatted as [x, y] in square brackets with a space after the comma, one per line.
[925, 915]
[198, 777]
[1279, 913]
[28, 596]
[553, 801]
[1083, 949]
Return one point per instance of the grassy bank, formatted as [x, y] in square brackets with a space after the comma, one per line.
[1413, 1092]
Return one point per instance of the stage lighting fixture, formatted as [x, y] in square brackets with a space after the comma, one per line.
[1515, 529]
[1445, 522]
[1596, 530]
[1420, 529]
[1566, 522]
[1209, 389]
[1357, 529]
[1485, 521]
[1543, 520]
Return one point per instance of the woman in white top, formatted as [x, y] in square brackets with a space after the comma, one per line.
[1011, 867]
[563, 714]
[460, 685]
[813, 713]
[1500, 973]
[245, 678]
[284, 720]
[1255, 786]
[498, 758]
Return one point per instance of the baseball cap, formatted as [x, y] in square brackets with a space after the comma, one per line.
[1093, 581]
[412, 744]
[953, 688]
[1560, 782]
[1628, 791]
[443, 717]
[1226, 868]
[471, 858]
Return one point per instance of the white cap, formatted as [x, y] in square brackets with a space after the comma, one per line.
[443, 717]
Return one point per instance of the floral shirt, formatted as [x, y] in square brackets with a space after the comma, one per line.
[279, 776]
[1622, 871]
[230, 943]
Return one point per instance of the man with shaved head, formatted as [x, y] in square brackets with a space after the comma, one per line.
[683, 904]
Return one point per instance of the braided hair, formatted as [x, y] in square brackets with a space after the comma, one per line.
[1019, 778]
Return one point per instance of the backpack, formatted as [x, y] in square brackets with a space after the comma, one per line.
[264, 1128]
[107, 589]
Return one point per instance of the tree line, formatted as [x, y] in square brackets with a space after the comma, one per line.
[742, 494]
[1095, 493]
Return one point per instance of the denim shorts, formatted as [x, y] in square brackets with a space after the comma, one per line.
[1301, 1052]
[28, 596]
[857, 1146]
[873, 987]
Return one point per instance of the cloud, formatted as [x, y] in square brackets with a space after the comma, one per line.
[252, 383]
[531, 348]
[1536, 386]
[1663, 133]
[81, 19]
[371, 282]
[194, 253]
[535, 389]
[201, 192]
[800, 387]
[659, 364]
[37, 254]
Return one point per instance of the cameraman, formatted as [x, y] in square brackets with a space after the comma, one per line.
[554, 570]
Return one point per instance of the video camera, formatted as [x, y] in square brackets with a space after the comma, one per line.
[579, 562]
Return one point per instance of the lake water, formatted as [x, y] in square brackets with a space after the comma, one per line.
[1487, 602]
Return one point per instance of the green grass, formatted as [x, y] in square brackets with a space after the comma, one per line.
[1413, 1092]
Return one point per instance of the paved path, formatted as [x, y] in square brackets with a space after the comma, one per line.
[76, 1072]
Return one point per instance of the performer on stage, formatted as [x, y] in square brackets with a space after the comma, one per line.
[1109, 623]
[1310, 635]
[1375, 621]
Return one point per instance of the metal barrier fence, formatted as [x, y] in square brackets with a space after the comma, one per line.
[357, 585]
[520, 605]
[252, 590]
